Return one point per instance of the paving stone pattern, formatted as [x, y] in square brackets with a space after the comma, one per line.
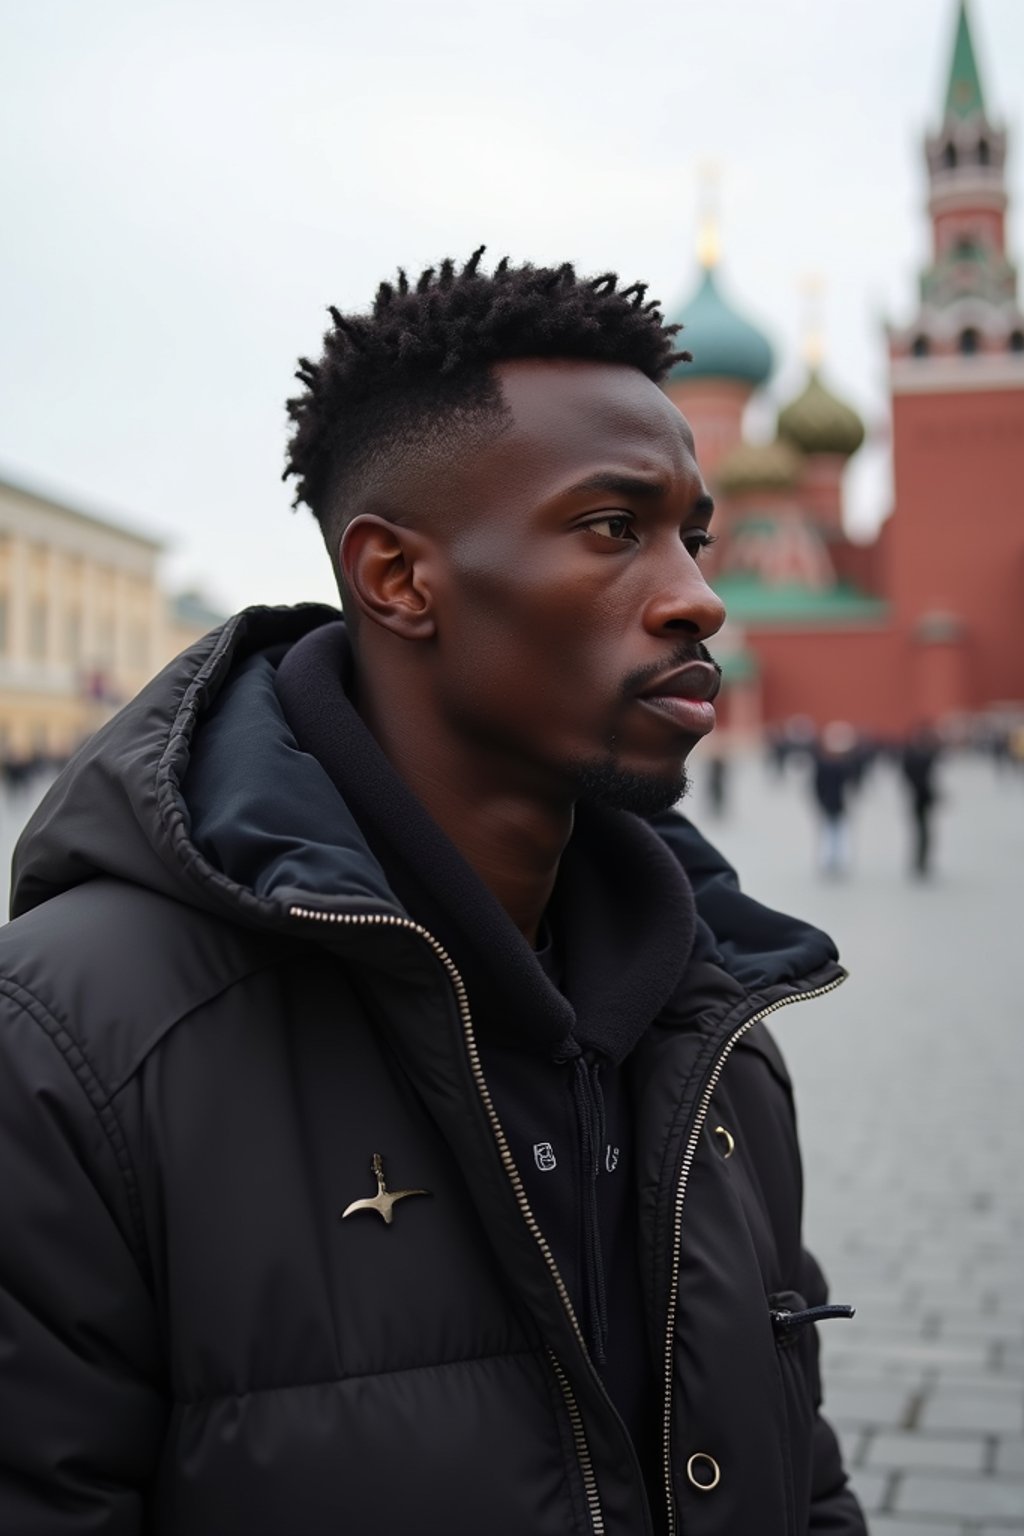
[910, 1089]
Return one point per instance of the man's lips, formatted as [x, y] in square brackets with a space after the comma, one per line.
[698, 681]
[685, 696]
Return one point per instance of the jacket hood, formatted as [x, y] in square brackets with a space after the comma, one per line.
[756, 944]
[123, 807]
[118, 809]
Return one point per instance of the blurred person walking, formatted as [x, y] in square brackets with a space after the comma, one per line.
[836, 770]
[918, 763]
[718, 776]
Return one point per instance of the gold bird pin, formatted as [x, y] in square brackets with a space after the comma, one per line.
[383, 1202]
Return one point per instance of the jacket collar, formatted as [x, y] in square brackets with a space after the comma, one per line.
[122, 808]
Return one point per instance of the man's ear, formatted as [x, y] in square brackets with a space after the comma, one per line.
[385, 568]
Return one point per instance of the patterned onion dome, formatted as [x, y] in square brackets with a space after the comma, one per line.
[724, 345]
[818, 422]
[760, 467]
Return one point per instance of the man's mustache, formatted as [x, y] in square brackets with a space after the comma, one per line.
[688, 651]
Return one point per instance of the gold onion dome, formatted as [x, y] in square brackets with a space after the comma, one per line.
[760, 467]
[818, 422]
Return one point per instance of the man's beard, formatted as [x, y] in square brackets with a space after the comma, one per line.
[601, 781]
[604, 783]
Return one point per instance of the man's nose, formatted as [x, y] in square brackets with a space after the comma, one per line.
[684, 603]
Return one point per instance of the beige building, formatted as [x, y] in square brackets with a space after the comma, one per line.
[84, 621]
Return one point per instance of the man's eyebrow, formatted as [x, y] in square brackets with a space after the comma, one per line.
[618, 483]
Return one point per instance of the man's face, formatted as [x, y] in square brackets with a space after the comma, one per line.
[568, 592]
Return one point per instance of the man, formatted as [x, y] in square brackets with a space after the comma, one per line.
[392, 1138]
[836, 766]
[918, 762]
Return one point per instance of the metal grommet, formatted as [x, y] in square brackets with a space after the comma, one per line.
[730, 1140]
[703, 1460]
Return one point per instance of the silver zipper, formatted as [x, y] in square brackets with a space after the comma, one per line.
[378, 919]
[579, 1440]
[677, 1230]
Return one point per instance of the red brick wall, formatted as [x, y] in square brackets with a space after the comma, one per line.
[858, 674]
[955, 543]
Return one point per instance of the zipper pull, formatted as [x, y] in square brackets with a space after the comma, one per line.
[785, 1320]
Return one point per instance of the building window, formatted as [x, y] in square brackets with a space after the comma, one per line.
[949, 157]
[920, 346]
[970, 341]
[1017, 341]
[983, 152]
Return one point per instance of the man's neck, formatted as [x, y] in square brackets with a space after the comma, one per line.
[513, 841]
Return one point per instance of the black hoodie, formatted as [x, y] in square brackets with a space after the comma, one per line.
[555, 1031]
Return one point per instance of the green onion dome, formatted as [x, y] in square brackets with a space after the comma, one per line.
[760, 467]
[724, 345]
[818, 422]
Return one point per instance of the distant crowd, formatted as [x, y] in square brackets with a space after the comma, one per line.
[835, 762]
[1001, 741]
[17, 772]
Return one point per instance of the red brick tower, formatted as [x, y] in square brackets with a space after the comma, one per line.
[955, 544]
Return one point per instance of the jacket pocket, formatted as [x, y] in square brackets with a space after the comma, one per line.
[795, 1349]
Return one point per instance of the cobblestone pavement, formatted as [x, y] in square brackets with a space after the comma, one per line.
[910, 1088]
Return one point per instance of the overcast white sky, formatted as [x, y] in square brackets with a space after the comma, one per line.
[186, 184]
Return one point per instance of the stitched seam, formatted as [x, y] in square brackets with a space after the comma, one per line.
[107, 1092]
[342, 1381]
[204, 1002]
[166, 780]
[98, 1100]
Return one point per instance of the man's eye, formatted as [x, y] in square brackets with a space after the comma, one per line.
[698, 541]
[617, 525]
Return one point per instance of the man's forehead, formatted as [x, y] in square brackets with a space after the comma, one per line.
[549, 396]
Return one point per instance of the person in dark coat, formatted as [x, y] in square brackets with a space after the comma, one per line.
[718, 784]
[919, 760]
[835, 774]
[392, 1137]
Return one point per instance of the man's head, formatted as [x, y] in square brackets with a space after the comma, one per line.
[514, 512]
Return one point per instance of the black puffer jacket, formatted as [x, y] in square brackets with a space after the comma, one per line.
[194, 1069]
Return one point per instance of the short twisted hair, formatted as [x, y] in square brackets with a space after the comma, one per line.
[417, 369]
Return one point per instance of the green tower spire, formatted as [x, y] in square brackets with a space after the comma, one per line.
[963, 95]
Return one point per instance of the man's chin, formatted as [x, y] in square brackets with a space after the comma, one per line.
[614, 788]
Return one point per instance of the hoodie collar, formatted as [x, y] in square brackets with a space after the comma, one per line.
[622, 913]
